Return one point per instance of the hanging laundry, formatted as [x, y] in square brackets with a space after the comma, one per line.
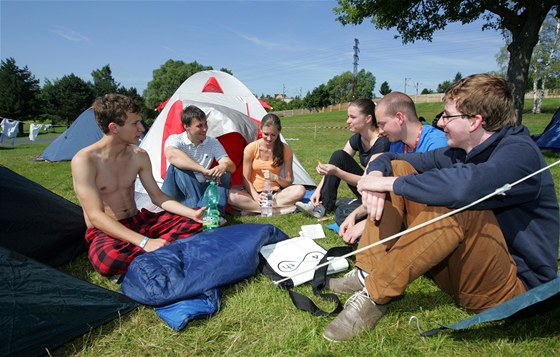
[9, 129]
[34, 131]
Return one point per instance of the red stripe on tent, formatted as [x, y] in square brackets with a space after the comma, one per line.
[162, 105]
[265, 104]
[172, 126]
[212, 85]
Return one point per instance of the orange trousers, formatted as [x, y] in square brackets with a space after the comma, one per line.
[466, 253]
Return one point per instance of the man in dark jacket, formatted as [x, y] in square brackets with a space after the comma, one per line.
[482, 256]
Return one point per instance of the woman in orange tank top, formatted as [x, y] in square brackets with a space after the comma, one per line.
[267, 158]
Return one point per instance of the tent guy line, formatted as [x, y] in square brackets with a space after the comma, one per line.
[499, 191]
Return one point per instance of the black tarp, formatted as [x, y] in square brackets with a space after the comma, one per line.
[38, 223]
[42, 308]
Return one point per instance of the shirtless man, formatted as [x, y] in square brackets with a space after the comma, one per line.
[104, 174]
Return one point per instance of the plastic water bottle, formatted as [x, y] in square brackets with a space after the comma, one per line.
[266, 205]
[211, 217]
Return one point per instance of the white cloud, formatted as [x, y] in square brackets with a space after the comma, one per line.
[69, 34]
[260, 42]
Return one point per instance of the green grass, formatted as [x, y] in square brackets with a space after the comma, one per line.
[258, 319]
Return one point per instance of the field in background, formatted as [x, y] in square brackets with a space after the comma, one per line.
[258, 319]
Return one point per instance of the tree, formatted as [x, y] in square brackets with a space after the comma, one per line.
[103, 81]
[340, 87]
[168, 78]
[442, 87]
[295, 103]
[19, 91]
[419, 19]
[385, 89]
[458, 77]
[544, 63]
[365, 84]
[148, 114]
[427, 91]
[68, 97]
[318, 98]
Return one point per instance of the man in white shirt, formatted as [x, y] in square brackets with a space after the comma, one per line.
[191, 155]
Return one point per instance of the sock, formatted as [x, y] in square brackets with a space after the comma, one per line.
[362, 277]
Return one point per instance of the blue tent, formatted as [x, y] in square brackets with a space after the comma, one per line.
[550, 138]
[84, 131]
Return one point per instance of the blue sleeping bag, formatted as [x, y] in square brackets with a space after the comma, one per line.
[190, 267]
[179, 314]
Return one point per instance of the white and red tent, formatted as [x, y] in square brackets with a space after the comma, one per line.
[233, 114]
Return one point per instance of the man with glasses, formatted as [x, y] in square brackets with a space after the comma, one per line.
[482, 256]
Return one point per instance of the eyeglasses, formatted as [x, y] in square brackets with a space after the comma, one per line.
[448, 118]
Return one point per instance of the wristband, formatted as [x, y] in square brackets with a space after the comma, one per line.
[144, 242]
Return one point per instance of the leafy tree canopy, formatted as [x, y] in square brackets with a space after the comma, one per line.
[168, 78]
[19, 91]
[67, 98]
[385, 89]
[317, 98]
[341, 88]
[442, 87]
[419, 19]
[103, 81]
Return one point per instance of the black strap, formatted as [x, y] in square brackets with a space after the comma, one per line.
[318, 283]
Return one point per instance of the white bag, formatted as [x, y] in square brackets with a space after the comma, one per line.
[295, 255]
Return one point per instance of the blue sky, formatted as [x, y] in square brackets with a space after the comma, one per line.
[272, 46]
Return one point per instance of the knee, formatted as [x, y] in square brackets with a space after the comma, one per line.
[338, 157]
[234, 197]
[299, 192]
[402, 168]
[225, 180]
[106, 268]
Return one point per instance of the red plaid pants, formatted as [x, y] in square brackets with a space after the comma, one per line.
[111, 256]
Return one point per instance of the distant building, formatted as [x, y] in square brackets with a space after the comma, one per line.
[283, 98]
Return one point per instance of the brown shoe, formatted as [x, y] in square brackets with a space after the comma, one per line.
[360, 313]
[349, 283]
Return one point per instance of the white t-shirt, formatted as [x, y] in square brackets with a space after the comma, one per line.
[9, 128]
[34, 131]
[205, 153]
